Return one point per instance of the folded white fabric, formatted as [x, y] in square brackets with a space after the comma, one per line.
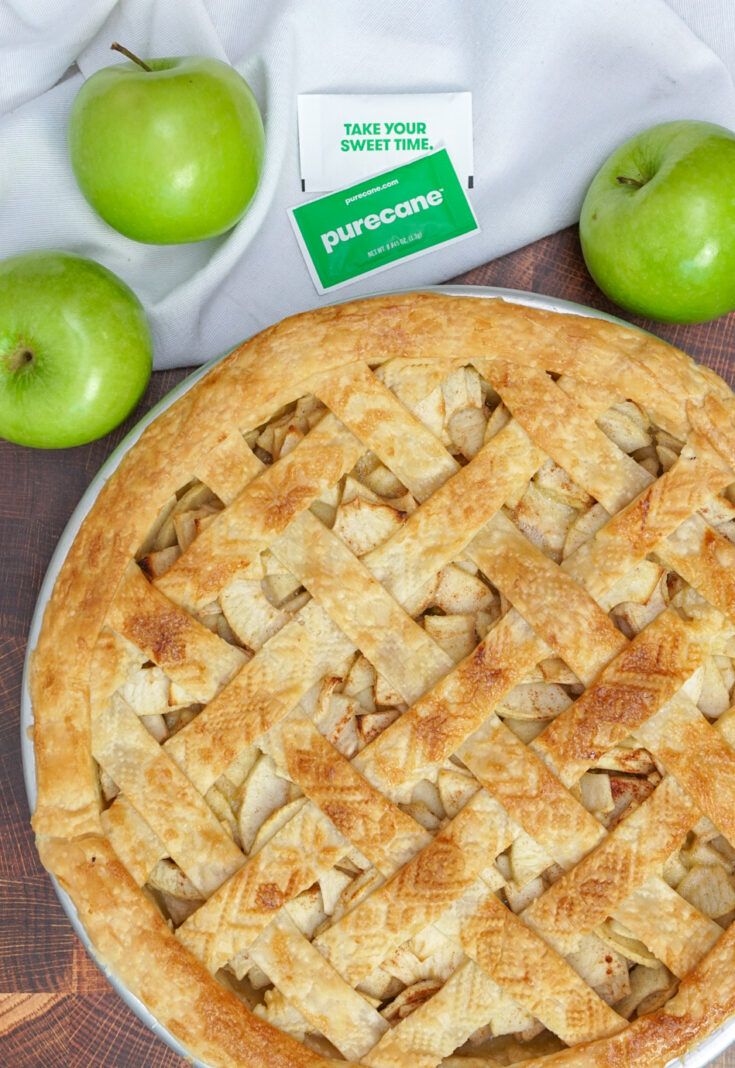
[556, 87]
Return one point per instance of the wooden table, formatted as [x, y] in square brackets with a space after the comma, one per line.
[56, 1009]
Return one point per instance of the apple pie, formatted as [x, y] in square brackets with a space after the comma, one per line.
[384, 702]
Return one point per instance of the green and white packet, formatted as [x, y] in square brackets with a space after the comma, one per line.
[344, 137]
[392, 217]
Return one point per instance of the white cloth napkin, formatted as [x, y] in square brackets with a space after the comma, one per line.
[556, 87]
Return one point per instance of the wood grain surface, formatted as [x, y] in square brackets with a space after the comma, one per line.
[56, 1008]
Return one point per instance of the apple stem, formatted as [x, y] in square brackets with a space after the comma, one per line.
[20, 358]
[624, 180]
[115, 47]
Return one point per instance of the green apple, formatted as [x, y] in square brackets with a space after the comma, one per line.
[658, 223]
[75, 350]
[167, 150]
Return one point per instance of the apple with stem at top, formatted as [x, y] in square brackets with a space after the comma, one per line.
[75, 350]
[658, 223]
[167, 150]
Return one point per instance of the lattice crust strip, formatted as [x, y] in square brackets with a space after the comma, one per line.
[533, 864]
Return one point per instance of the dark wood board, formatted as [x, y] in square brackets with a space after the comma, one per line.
[56, 1008]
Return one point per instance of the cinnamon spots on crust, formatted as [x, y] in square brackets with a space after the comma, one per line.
[433, 733]
[95, 548]
[716, 553]
[160, 634]
[370, 418]
[662, 1031]
[594, 887]
[477, 669]
[645, 506]
[280, 509]
[638, 519]
[668, 656]
[216, 575]
[609, 711]
[440, 869]
[446, 722]
[637, 683]
[619, 702]
[343, 816]
[270, 896]
[310, 766]
[709, 544]
[635, 791]
[280, 498]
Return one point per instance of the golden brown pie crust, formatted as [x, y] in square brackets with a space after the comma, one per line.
[631, 685]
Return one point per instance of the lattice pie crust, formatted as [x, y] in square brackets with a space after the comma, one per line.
[383, 703]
